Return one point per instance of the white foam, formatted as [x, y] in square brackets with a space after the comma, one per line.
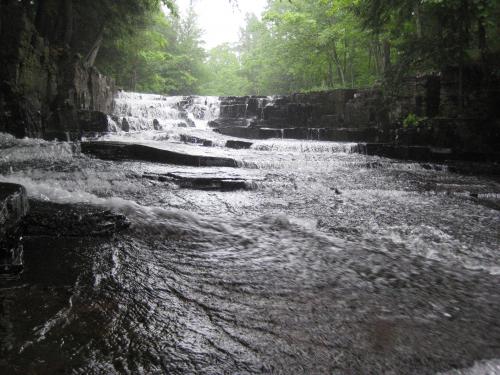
[490, 367]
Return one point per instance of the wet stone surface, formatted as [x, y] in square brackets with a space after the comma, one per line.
[57, 220]
[13, 208]
[203, 180]
[152, 153]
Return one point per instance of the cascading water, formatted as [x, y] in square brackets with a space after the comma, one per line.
[333, 263]
[138, 112]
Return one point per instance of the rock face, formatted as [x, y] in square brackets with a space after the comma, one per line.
[45, 91]
[342, 115]
[335, 109]
[59, 220]
[13, 208]
[466, 120]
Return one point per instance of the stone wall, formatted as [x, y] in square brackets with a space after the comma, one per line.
[45, 91]
[343, 108]
[373, 115]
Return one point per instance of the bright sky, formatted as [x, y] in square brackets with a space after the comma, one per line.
[220, 20]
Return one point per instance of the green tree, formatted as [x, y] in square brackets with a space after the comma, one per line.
[224, 73]
[165, 56]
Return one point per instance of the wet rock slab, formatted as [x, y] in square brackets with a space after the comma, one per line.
[130, 151]
[221, 181]
[196, 140]
[317, 134]
[64, 220]
[422, 153]
[238, 144]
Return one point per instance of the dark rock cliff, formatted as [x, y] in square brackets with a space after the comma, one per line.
[46, 91]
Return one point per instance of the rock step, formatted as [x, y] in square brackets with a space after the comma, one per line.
[196, 140]
[238, 145]
[78, 220]
[317, 134]
[206, 181]
[132, 151]
[422, 153]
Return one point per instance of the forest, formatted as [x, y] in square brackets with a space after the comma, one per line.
[302, 45]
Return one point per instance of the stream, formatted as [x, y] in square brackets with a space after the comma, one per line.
[327, 262]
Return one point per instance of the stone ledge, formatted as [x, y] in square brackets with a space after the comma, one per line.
[131, 151]
[423, 153]
[238, 145]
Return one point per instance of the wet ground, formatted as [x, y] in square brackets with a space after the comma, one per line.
[326, 262]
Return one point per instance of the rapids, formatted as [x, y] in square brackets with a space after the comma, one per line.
[333, 263]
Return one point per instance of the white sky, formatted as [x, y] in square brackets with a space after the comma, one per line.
[220, 20]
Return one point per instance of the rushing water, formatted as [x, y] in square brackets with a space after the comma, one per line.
[333, 263]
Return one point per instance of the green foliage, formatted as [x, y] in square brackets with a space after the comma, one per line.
[431, 34]
[163, 56]
[412, 121]
[224, 73]
[299, 45]
[303, 45]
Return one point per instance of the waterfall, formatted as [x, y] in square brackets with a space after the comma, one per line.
[137, 112]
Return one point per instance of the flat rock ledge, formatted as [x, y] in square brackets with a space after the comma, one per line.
[206, 181]
[13, 208]
[238, 145]
[131, 151]
[422, 153]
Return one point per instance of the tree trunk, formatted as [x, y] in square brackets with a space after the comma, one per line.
[68, 22]
[330, 73]
[418, 20]
[387, 56]
[40, 16]
[481, 37]
[351, 63]
[92, 54]
[339, 65]
[376, 56]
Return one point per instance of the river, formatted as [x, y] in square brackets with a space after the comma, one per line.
[327, 262]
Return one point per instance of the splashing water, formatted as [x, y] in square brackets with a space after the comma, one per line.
[156, 112]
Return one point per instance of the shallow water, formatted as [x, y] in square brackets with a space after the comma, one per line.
[333, 263]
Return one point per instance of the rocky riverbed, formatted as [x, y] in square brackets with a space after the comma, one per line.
[316, 260]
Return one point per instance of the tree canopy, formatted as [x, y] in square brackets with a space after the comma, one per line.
[297, 45]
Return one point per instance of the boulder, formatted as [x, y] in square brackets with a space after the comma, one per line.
[92, 121]
[125, 125]
[190, 123]
[238, 144]
[63, 220]
[196, 140]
